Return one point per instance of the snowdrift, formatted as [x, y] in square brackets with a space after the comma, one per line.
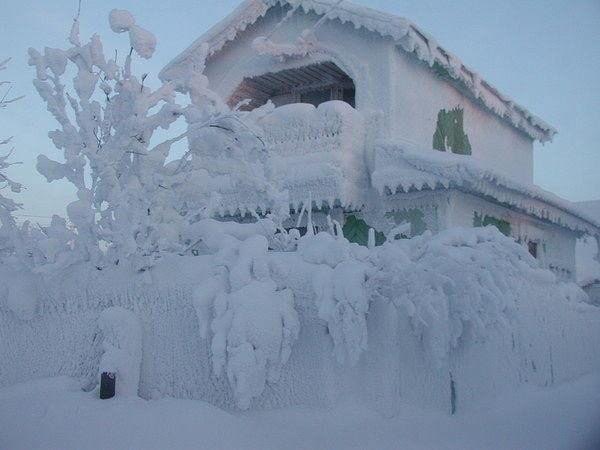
[443, 322]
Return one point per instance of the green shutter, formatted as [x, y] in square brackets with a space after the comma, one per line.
[357, 231]
[483, 221]
[449, 134]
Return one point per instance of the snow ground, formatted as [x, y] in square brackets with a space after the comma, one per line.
[55, 414]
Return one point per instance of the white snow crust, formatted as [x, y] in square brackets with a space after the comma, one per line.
[55, 414]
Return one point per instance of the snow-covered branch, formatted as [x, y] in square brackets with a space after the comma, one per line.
[107, 120]
[9, 232]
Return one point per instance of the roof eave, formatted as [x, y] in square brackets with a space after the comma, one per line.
[409, 37]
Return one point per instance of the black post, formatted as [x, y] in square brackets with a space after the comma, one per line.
[107, 385]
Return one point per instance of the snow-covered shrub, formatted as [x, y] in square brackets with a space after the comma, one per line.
[453, 287]
[457, 284]
[339, 283]
[253, 324]
[122, 348]
[18, 291]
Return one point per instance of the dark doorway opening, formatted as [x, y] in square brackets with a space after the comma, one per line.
[314, 84]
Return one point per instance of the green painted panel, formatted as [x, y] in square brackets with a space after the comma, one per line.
[357, 230]
[449, 133]
[483, 221]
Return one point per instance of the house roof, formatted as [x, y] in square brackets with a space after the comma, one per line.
[396, 167]
[407, 36]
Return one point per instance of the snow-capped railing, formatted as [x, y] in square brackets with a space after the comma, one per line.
[318, 151]
[304, 151]
[301, 128]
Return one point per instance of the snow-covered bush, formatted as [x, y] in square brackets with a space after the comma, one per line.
[253, 324]
[458, 284]
[454, 287]
[341, 297]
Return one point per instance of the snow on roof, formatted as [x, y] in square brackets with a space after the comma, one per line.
[398, 168]
[407, 36]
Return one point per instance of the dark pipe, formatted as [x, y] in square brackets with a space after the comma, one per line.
[107, 385]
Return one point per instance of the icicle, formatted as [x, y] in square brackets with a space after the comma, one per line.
[299, 221]
[338, 229]
[309, 223]
[326, 15]
[371, 242]
[330, 225]
[127, 69]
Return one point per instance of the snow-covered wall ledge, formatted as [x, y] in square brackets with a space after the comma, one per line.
[401, 167]
[377, 324]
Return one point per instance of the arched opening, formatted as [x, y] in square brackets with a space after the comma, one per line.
[314, 84]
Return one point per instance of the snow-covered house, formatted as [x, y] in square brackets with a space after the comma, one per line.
[379, 125]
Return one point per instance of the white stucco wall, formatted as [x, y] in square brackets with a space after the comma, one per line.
[419, 94]
[387, 79]
[556, 245]
[588, 267]
[363, 55]
[452, 208]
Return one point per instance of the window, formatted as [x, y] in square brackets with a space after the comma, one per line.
[533, 248]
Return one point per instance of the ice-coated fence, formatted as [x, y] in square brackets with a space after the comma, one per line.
[433, 344]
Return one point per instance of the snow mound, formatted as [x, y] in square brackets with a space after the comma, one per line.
[254, 324]
[122, 346]
[455, 285]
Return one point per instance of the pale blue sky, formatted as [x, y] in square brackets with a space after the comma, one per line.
[543, 53]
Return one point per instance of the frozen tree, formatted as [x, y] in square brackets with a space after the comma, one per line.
[107, 119]
[28, 246]
[9, 232]
[133, 204]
